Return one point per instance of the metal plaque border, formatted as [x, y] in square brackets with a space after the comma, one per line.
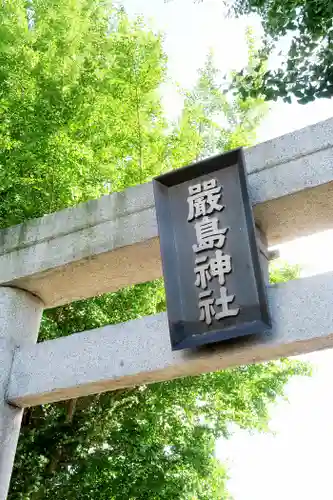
[161, 184]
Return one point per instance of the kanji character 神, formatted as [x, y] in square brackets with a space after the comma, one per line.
[204, 199]
[208, 234]
[206, 269]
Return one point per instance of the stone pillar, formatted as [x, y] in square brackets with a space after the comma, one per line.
[20, 315]
[263, 253]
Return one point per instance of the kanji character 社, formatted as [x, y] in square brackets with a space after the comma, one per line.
[206, 269]
[208, 234]
[224, 300]
[206, 306]
[204, 199]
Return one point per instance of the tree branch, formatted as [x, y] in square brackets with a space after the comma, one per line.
[71, 407]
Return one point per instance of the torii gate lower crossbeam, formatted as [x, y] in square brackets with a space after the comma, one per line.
[136, 352]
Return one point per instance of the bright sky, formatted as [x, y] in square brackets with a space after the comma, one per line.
[296, 462]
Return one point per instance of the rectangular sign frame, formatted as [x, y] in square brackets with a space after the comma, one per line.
[183, 333]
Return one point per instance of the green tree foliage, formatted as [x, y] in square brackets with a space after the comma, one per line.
[280, 272]
[80, 117]
[80, 113]
[225, 120]
[307, 73]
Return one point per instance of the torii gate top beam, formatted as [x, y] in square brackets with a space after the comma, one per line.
[106, 244]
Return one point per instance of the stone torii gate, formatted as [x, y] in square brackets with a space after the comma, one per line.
[106, 244]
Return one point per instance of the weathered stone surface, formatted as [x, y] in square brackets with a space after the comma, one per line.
[139, 351]
[20, 315]
[106, 244]
[286, 148]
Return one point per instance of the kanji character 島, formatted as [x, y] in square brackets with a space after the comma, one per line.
[208, 234]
